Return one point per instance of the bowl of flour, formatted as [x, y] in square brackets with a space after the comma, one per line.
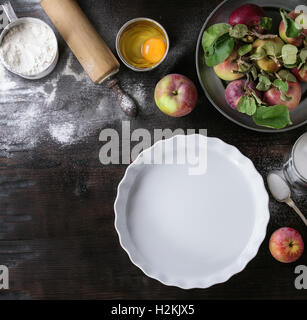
[29, 48]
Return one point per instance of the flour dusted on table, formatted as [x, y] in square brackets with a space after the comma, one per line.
[65, 108]
[28, 48]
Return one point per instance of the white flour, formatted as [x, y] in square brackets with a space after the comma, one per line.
[65, 108]
[62, 132]
[28, 48]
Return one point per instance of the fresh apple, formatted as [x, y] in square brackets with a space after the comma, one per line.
[248, 14]
[301, 19]
[267, 64]
[282, 33]
[236, 89]
[286, 245]
[272, 96]
[299, 76]
[225, 70]
[176, 95]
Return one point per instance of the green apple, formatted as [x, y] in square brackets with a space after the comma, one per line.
[176, 95]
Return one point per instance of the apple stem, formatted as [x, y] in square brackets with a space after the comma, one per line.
[275, 59]
[263, 36]
[246, 82]
[241, 61]
[175, 92]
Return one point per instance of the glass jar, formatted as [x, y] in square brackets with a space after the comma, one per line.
[295, 168]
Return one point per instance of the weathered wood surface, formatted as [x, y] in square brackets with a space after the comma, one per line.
[56, 202]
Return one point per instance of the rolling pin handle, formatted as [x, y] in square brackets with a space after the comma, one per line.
[112, 82]
[127, 104]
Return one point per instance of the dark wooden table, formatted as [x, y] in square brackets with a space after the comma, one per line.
[56, 201]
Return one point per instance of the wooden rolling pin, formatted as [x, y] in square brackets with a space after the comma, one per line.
[87, 45]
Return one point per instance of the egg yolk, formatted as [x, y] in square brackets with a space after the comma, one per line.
[153, 50]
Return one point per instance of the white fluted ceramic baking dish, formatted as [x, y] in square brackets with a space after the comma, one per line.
[192, 231]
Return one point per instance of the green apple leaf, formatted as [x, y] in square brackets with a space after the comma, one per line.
[289, 54]
[259, 54]
[275, 117]
[239, 31]
[211, 35]
[281, 85]
[220, 50]
[243, 68]
[286, 75]
[254, 73]
[290, 66]
[293, 30]
[303, 55]
[245, 49]
[266, 23]
[264, 83]
[247, 105]
[271, 48]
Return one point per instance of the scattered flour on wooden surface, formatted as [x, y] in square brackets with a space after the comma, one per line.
[69, 70]
[5, 85]
[62, 132]
[65, 107]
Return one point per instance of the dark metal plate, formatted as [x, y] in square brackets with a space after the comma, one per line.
[214, 88]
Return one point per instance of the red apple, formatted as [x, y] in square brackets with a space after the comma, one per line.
[300, 77]
[248, 14]
[225, 70]
[235, 90]
[272, 96]
[286, 245]
[176, 95]
[282, 32]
